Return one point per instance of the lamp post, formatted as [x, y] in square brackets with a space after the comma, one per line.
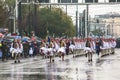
[112, 25]
[29, 26]
[35, 15]
[17, 18]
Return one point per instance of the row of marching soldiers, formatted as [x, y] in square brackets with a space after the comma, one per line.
[61, 47]
[25, 49]
[100, 46]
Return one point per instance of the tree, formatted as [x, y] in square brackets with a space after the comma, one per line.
[3, 14]
[9, 6]
[98, 32]
[42, 20]
[55, 21]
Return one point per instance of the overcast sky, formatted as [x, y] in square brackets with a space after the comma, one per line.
[93, 9]
[103, 9]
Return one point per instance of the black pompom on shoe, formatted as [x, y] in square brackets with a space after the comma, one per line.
[18, 61]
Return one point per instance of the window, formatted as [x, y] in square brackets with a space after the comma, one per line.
[96, 0]
[112, 0]
[58, 1]
[74, 1]
[118, 0]
[67, 1]
[91, 1]
[88, 1]
[43, 1]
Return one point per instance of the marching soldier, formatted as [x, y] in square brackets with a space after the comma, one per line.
[88, 50]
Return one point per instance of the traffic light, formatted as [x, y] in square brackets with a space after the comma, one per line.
[90, 1]
[112, 0]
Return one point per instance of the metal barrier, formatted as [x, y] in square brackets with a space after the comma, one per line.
[78, 52]
[107, 51]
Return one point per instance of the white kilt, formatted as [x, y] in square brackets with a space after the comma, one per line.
[13, 50]
[19, 50]
[43, 50]
[56, 47]
[50, 50]
[87, 49]
[72, 47]
[62, 49]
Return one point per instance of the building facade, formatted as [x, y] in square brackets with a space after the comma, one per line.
[110, 23]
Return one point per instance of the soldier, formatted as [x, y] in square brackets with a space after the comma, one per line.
[67, 46]
[51, 52]
[88, 50]
[61, 50]
[97, 47]
[43, 49]
[15, 47]
[72, 47]
[20, 50]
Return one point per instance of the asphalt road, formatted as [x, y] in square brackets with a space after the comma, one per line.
[105, 68]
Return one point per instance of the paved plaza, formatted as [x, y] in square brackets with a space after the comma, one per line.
[105, 68]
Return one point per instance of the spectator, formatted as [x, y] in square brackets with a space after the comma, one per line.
[4, 51]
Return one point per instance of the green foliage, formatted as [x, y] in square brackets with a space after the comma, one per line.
[10, 4]
[3, 14]
[56, 22]
[97, 31]
[47, 19]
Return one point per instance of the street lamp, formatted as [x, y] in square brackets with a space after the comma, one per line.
[17, 18]
[34, 16]
[112, 24]
[29, 28]
[29, 16]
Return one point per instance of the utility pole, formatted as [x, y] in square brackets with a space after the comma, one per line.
[29, 25]
[16, 17]
[80, 24]
[19, 18]
[76, 23]
[86, 20]
[76, 20]
[35, 16]
[66, 11]
[112, 25]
